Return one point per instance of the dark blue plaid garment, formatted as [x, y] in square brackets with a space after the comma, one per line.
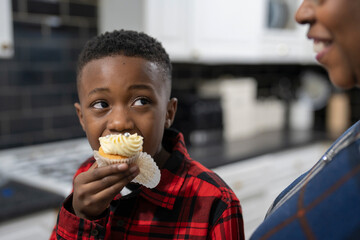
[323, 203]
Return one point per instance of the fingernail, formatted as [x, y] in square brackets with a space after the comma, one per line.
[133, 169]
[121, 166]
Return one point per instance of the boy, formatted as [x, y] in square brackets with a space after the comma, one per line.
[124, 85]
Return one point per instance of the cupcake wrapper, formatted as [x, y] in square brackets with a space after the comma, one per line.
[103, 161]
[149, 175]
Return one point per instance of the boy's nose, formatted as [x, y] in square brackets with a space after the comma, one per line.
[119, 121]
[306, 12]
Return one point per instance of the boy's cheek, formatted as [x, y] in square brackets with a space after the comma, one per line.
[94, 143]
[93, 134]
[152, 147]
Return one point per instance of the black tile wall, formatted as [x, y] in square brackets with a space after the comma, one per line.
[43, 7]
[10, 102]
[76, 9]
[64, 122]
[38, 89]
[25, 30]
[38, 85]
[26, 124]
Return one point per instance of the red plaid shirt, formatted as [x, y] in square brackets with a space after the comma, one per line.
[190, 202]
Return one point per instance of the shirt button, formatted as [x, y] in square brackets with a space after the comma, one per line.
[120, 223]
[94, 232]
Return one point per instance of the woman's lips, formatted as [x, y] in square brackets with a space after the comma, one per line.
[321, 48]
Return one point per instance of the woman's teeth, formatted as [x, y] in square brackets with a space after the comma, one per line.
[319, 46]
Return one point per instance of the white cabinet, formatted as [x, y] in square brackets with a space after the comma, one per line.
[289, 42]
[169, 22]
[212, 31]
[6, 32]
[228, 31]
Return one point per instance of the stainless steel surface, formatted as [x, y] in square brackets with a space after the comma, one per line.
[48, 166]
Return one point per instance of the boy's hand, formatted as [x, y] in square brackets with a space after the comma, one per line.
[96, 188]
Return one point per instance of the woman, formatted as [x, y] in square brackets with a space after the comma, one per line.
[324, 203]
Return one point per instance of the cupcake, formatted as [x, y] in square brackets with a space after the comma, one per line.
[127, 148]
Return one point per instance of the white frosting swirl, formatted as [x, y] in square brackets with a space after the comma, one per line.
[123, 145]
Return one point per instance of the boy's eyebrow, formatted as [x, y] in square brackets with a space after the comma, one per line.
[95, 90]
[140, 86]
[132, 87]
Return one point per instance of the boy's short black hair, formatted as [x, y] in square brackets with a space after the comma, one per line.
[127, 43]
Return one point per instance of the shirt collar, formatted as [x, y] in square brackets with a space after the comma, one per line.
[172, 175]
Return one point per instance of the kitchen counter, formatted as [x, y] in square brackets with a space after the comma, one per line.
[19, 199]
[223, 153]
[41, 176]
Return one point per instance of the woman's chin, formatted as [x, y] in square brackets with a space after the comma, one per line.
[343, 85]
[342, 79]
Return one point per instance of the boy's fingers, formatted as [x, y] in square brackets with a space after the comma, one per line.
[111, 191]
[95, 173]
[98, 173]
[95, 165]
[93, 197]
[109, 180]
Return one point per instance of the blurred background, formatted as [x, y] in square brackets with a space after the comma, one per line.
[253, 102]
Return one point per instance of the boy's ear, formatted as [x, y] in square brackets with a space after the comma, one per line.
[79, 114]
[171, 111]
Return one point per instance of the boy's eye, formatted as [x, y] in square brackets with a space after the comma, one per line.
[100, 105]
[141, 102]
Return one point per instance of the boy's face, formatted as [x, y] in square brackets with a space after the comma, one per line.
[124, 94]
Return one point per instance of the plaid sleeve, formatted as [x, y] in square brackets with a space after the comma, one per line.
[69, 226]
[230, 224]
